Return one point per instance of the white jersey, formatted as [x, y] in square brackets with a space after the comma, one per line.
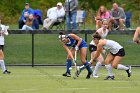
[102, 33]
[112, 46]
[3, 31]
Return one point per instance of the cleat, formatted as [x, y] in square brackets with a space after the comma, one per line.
[66, 75]
[88, 75]
[6, 72]
[95, 76]
[109, 78]
[129, 71]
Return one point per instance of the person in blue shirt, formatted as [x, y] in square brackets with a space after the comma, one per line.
[77, 44]
[25, 13]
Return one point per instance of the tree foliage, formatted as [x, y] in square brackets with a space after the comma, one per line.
[10, 10]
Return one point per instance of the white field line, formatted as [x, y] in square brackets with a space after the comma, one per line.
[53, 75]
[23, 90]
[122, 87]
[74, 88]
[38, 75]
[18, 76]
[24, 74]
[91, 88]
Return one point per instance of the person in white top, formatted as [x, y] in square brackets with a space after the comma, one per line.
[136, 36]
[115, 55]
[53, 14]
[3, 31]
[103, 31]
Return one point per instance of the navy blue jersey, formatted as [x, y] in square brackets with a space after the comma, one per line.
[73, 43]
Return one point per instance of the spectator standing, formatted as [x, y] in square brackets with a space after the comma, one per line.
[128, 19]
[117, 16]
[71, 7]
[3, 32]
[53, 14]
[102, 14]
[31, 23]
[25, 13]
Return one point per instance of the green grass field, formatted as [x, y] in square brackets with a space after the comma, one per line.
[49, 80]
[48, 50]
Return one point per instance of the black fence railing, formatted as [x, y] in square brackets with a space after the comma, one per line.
[68, 31]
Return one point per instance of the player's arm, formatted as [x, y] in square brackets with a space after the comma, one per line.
[104, 51]
[68, 51]
[5, 30]
[76, 38]
[98, 51]
[136, 35]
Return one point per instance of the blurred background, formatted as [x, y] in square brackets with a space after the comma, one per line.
[11, 10]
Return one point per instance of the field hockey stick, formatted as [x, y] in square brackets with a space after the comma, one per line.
[75, 65]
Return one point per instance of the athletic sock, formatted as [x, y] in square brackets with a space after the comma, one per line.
[87, 65]
[109, 70]
[82, 67]
[2, 65]
[122, 67]
[68, 65]
[98, 65]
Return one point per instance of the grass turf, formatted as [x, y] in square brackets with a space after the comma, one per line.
[49, 80]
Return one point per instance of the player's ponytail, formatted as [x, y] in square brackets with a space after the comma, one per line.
[61, 33]
[96, 35]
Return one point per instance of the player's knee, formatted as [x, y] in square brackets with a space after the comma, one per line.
[83, 61]
[69, 57]
[106, 62]
[101, 60]
[1, 57]
[138, 29]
